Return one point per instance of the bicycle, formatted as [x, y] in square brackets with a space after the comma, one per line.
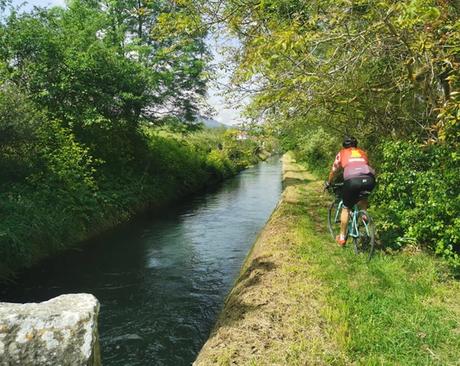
[360, 225]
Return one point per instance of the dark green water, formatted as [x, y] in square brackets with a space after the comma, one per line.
[162, 279]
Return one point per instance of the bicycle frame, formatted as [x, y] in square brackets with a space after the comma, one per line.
[352, 229]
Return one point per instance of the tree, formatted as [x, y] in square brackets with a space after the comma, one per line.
[167, 38]
[109, 60]
[377, 67]
[387, 72]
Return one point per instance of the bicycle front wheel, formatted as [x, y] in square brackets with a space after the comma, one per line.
[365, 241]
[333, 218]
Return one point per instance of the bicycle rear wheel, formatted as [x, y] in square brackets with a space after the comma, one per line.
[333, 218]
[365, 242]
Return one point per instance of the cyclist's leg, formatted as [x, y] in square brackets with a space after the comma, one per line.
[344, 222]
[350, 196]
[363, 204]
[367, 186]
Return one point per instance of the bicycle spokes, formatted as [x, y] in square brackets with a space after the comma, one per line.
[333, 218]
[365, 238]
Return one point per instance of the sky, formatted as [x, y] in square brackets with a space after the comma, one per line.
[43, 3]
[224, 113]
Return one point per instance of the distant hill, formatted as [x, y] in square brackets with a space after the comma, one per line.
[211, 123]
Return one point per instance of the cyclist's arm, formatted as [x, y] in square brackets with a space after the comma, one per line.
[335, 167]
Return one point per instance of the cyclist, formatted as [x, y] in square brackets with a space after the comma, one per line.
[358, 177]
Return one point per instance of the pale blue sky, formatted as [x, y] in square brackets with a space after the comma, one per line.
[225, 115]
[43, 3]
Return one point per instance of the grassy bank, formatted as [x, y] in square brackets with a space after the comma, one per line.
[301, 299]
[72, 196]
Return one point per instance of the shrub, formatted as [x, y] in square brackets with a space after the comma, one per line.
[18, 139]
[317, 148]
[65, 193]
[419, 193]
[53, 204]
[242, 152]
[219, 165]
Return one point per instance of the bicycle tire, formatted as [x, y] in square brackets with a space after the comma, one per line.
[334, 225]
[365, 242]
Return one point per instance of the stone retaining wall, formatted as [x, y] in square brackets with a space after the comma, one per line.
[61, 331]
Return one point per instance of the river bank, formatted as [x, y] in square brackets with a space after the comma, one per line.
[48, 213]
[300, 299]
[162, 278]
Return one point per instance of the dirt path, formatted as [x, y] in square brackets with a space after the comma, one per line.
[273, 315]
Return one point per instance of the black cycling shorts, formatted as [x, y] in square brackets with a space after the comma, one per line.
[355, 189]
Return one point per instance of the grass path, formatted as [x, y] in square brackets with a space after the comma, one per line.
[301, 300]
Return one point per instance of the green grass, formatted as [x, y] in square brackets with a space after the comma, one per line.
[400, 309]
[324, 305]
[67, 201]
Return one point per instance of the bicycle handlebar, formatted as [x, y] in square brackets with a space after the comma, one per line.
[334, 188]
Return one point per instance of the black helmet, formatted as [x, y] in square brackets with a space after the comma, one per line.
[349, 141]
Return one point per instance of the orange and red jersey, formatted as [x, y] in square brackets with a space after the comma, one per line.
[354, 163]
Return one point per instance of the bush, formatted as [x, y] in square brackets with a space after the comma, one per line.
[418, 192]
[219, 165]
[18, 139]
[318, 149]
[242, 152]
[53, 204]
[65, 194]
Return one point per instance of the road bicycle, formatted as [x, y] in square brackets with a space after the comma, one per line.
[361, 227]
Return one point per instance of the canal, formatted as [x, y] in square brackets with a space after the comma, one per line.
[162, 279]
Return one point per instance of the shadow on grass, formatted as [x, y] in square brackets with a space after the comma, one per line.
[288, 182]
[294, 171]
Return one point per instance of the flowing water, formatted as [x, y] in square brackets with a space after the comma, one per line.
[162, 279]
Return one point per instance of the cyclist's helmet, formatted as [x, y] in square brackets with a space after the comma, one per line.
[349, 141]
